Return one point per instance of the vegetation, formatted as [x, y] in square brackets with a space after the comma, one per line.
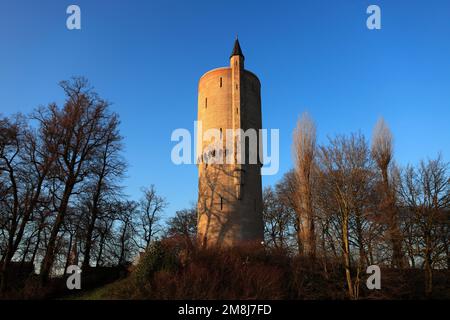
[250, 273]
[344, 206]
[350, 203]
[61, 200]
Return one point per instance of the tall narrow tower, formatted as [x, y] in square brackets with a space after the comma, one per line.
[230, 191]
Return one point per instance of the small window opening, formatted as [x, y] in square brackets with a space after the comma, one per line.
[221, 82]
[206, 103]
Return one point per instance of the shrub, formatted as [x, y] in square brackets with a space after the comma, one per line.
[169, 270]
[159, 256]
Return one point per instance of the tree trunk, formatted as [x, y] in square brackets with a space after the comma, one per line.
[346, 255]
[49, 257]
[100, 250]
[88, 245]
[393, 227]
[428, 267]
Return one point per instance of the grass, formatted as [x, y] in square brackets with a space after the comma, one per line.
[102, 293]
[170, 271]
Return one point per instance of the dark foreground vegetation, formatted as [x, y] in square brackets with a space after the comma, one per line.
[165, 272]
[346, 205]
[169, 270]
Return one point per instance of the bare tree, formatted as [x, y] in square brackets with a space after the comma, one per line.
[108, 168]
[382, 151]
[286, 192]
[304, 153]
[27, 159]
[127, 231]
[278, 220]
[82, 126]
[345, 176]
[151, 207]
[184, 225]
[60, 197]
[71, 227]
[10, 147]
[425, 191]
[106, 234]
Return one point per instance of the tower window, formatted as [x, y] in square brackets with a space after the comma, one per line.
[220, 133]
[206, 103]
[221, 82]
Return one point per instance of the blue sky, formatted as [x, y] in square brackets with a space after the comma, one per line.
[318, 56]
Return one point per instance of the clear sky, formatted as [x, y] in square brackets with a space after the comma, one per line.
[318, 56]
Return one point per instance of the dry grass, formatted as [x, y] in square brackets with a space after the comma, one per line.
[168, 272]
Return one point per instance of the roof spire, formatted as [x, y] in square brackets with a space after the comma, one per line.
[237, 49]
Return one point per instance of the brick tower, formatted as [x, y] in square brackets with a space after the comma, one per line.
[230, 193]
